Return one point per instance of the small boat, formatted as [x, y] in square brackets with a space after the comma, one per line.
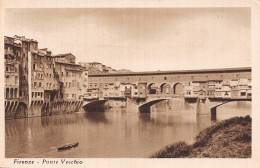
[68, 146]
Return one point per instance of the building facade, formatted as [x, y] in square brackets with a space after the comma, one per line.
[38, 83]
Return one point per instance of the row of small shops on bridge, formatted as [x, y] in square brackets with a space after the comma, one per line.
[240, 88]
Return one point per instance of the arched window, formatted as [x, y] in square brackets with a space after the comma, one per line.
[11, 91]
[15, 93]
[7, 93]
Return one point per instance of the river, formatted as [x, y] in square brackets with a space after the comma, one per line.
[115, 133]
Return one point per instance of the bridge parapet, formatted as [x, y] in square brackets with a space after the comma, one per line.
[162, 96]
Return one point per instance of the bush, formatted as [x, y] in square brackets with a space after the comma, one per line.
[178, 150]
[236, 130]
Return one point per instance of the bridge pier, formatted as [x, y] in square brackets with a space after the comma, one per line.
[213, 113]
[202, 106]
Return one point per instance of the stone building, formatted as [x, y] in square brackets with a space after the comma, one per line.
[84, 79]
[17, 54]
[38, 83]
[70, 79]
[12, 53]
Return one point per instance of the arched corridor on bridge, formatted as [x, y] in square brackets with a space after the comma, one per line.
[178, 89]
[165, 88]
[152, 88]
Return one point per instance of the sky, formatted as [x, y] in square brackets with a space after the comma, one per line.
[140, 39]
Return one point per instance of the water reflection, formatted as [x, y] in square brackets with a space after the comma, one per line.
[96, 117]
[113, 133]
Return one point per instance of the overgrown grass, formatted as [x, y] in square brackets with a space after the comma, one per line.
[227, 139]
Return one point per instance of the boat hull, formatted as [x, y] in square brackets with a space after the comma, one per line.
[69, 146]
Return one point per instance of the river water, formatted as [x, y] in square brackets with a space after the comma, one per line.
[115, 133]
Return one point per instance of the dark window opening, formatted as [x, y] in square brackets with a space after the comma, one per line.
[243, 94]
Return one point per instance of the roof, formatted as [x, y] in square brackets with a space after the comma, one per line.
[198, 71]
[59, 55]
[90, 63]
[24, 39]
[66, 63]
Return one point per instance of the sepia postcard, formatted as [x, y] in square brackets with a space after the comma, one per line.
[151, 83]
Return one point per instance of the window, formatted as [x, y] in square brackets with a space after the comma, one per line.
[16, 79]
[35, 84]
[32, 94]
[47, 85]
[61, 73]
[67, 74]
[40, 84]
[242, 93]
[165, 78]
[41, 94]
[34, 66]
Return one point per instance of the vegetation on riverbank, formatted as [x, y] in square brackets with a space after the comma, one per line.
[227, 139]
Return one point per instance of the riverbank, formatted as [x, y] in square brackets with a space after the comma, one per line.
[227, 139]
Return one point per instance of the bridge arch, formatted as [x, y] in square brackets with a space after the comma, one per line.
[146, 107]
[152, 88]
[225, 102]
[178, 88]
[213, 108]
[21, 110]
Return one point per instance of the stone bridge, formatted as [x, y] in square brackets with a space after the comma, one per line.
[203, 105]
[206, 105]
[145, 107]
